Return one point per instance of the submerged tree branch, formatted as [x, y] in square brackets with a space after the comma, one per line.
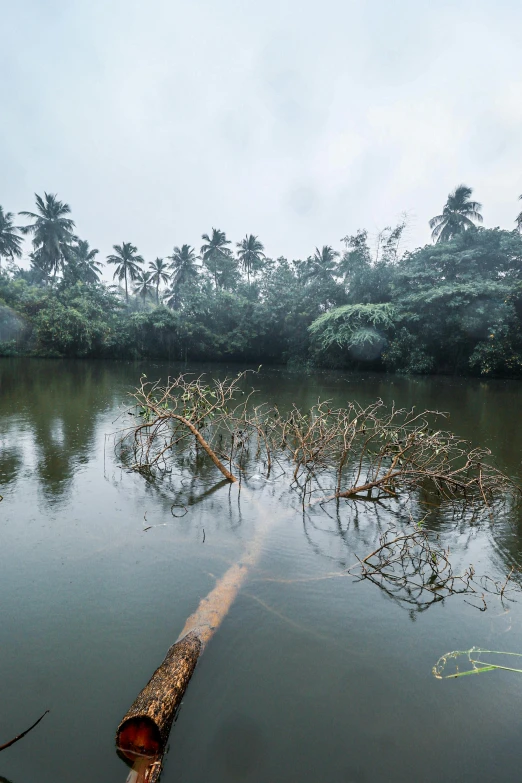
[359, 450]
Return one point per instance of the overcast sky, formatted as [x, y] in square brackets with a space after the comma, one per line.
[295, 120]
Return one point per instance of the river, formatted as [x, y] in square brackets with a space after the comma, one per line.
[309, 679]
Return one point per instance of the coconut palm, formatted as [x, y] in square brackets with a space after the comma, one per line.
[184, 270]
[159, 274]
[250, 254]
[322, 266]
[183, 264]
[83, 259]
[518, 221]
[320, 270]
[10, 240]
[215, 253]
[127, 263]
[52, 231]
[144, 285]
[458, 215]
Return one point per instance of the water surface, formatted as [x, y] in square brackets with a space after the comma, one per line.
[309, 679]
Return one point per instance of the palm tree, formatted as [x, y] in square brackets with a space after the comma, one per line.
[184, 269]
[320, 269]
[457, 216]
[250, 254]
[145, 284]
[83, 258]
[127, 260]
[518, 221]
[10, 241]
[52, 231]
[160, 275]
[322, 266]
[215, 251]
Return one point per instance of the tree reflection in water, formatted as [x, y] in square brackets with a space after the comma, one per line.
[49, 411]
[408, 560]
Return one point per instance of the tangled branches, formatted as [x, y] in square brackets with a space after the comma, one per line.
[171, 413]
[358, 453]
[413, 567]
[372, 454]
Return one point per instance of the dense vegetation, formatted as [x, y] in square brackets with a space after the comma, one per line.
[453, 306]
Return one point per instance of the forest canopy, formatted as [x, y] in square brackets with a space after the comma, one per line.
[454, 306]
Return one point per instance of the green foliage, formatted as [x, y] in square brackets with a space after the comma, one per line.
[250, 255]
[453, 298]
[501, 352]
[458, 215]
[10, 239]
[75, 324]
[81, 265]
[159, 274]
[350, 324]
[52, 233]
[127, 262]
[184, 272]
[360, 328]
[405, 353]
[451, 307]
[473, 663]
[218, 258]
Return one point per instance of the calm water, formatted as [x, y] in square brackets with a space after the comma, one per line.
[308, 679]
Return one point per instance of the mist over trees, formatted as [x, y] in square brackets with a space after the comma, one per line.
[453, 306]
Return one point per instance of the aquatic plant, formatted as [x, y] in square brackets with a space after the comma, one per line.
[472, 657]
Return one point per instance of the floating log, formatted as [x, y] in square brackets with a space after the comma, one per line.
[143, 733]
[145, 728]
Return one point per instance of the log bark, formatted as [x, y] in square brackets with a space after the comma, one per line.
[143, 733]
[145, 728]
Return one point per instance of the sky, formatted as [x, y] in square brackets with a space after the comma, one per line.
[298, 121]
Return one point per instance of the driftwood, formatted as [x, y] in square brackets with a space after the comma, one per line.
[143, 733]
[145, 728]
[370, 453]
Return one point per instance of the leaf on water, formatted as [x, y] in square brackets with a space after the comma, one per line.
[471, 671]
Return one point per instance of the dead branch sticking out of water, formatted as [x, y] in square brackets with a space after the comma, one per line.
[20, 736]
[370, 454]
[351, 453]
[171, 413]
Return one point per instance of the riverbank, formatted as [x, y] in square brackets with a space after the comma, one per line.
[453, 308]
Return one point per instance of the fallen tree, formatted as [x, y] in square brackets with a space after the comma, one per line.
[351, 454]
[362, 453]
[143, 732]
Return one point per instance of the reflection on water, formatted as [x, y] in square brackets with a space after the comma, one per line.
[311, 672]
[143, 768]
[56, 405]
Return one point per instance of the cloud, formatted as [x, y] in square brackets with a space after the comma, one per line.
[292, 120]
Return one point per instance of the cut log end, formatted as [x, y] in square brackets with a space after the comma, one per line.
[145, 728]
[139, 737]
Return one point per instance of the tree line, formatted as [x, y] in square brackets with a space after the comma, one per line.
[451, 306]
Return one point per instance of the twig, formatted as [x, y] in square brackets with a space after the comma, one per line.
[19, 737]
